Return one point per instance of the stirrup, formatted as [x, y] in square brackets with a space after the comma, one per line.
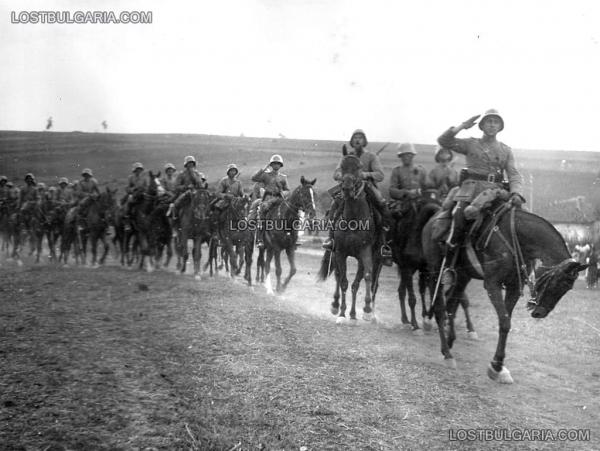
[327, 244]
[260, 244]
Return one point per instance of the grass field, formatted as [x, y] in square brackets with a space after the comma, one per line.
[56, 154]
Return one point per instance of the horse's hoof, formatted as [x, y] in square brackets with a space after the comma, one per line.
[450, 363]
[340, 320]
[335, 311]
[353, 322]
[19, 262]
[367, 316]
[427, 324]
[197, 277]
[503, 376]
[472, 335]
[418, 331]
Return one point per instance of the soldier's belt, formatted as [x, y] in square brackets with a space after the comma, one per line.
[492, 177]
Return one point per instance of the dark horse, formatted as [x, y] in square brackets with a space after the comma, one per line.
[237, 240]
[97, 220]
[194, 223]
[144, 220]
[507, 244]
[354, 236]
[282, 223]
[408, 255]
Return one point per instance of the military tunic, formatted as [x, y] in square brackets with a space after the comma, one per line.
[443, 178]
[168, 183]
[228, 186]
[275, 183]
[407, 182]
[137, 182]
[484, 159]
[85, 187]
[29, 193]
[64, 195]
[371, 166]
[186, 179]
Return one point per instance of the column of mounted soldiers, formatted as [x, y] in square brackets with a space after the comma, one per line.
[490, 172]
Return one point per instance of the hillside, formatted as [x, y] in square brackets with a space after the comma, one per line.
[50, 155]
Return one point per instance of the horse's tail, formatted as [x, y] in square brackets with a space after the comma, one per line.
[326, 266]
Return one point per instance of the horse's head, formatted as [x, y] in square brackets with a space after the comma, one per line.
[551, 284]
[200, 203]
[303, 197]
[155, 188]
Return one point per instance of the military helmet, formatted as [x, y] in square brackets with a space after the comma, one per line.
[10, 184]
[489, 113]
[41, 186]
[232, 166]
[87, 171]
[276, 159]
[439, 151]
[3, 178]
[52, 189]
[406, 148]
[170, 166]
[63, 180]
[29, 175]
[188, 159]
[359, 131]
[137, 165]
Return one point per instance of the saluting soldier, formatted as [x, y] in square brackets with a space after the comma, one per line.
[372, 173]
[275, 186]
[443, 177]
[487, 160]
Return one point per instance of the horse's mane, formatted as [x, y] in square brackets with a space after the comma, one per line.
[548, 225]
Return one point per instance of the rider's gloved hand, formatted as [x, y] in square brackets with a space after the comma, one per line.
[516, 199]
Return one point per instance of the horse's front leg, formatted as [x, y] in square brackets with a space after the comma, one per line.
[402, 290]
[183, 252]
[412, 298]
[197, 256]
[278, 270]
[360, 272]
[105, 246]
[291, 255]
[497, 371]
[367, 261]
[464, 302]
[343, 282]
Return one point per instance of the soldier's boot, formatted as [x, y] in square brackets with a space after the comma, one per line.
[334, 213]
[453, 243]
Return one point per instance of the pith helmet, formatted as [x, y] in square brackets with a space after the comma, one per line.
[170, 166]
[3, 178]
[489, 113]
[63, 180]
[188, 159]
[439, 151]
[87, 171]
[406, 148]
[137, 165]
[29, 175]
[9, 184]
[276, 159]
[41, 186]
[232, 166]
[359, 131]
[52, 189]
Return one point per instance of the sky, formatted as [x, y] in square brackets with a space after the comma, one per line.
[400, 70]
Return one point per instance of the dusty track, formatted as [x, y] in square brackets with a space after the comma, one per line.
[111, 358]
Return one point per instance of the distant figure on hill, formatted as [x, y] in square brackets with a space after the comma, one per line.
[104, 125]
[49, 123]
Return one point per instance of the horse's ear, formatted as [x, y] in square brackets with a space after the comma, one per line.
[344, 150]
[314, 181]
[150, 174]
[158, 175]
[302, 180]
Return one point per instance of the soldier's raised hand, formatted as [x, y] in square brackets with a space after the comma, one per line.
[470, 122]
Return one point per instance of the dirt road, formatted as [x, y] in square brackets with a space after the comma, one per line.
[118, 359]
